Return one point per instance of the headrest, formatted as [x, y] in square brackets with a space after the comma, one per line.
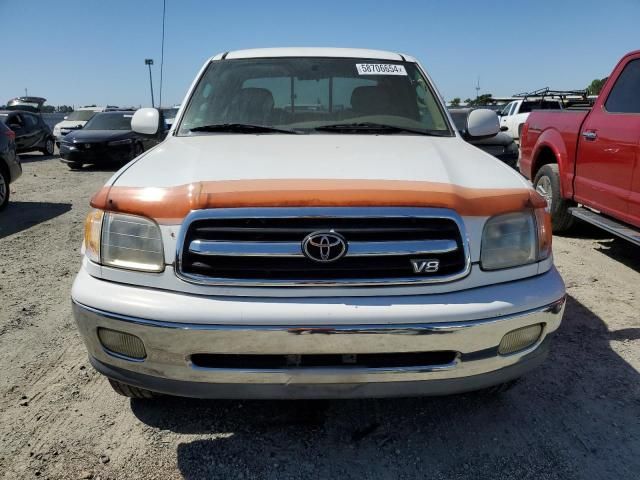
[256, 97]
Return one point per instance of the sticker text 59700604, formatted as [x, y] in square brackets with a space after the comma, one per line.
[380, 69]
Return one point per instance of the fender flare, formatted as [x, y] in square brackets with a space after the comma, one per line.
[552, 140]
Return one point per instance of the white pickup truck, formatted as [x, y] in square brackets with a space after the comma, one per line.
[514, 114]
[359, 248]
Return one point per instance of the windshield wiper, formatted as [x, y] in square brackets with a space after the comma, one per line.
[241, 128]
[376, 128]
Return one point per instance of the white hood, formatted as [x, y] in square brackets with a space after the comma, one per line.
[185, 160]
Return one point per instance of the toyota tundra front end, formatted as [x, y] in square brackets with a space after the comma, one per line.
[314, 227]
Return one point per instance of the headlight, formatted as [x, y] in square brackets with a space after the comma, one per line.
[124, 241]
[515, 239]
[92, 231]
[127, 141]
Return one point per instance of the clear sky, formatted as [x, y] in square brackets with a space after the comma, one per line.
[92, 51]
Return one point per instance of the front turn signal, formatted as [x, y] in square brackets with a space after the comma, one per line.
[92, 233]
[545, 235]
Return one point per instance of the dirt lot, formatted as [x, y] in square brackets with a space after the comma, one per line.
[576, 417]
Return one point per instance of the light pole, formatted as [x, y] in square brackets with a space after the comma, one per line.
[164, 8]
[149, 61]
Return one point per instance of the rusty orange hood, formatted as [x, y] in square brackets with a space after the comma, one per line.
[225, 171]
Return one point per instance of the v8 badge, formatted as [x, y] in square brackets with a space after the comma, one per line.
[430, 265]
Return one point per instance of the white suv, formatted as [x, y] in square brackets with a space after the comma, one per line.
[314, 226]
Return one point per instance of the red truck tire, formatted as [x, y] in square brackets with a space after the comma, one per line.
[547, 184]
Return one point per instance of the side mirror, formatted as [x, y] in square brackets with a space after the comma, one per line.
[482, 123]
[504, 128]
[146, 121]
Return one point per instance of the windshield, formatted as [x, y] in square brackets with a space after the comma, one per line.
[81, 115]
[505, 110]
[110, 121]
[307, 93]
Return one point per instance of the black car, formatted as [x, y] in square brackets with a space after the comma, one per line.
[10, 168]
[105, 139]
[502, 146]
[22, 115]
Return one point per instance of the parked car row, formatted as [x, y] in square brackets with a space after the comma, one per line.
[107, 138]
[89, 135]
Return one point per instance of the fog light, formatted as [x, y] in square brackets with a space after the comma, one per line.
[520, 339]
[122, 343]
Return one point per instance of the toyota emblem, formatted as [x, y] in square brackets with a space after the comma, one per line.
[324, 247]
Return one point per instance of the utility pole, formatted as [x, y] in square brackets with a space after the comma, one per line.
[26, 92]
[149, 61]
[164, 7]
[478, 88]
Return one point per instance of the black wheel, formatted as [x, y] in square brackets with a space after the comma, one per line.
[74, 165]
[131, 392]
[49, 146]
[547, 184]
[4, 189]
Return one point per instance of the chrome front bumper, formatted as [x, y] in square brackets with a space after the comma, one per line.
[169, 346]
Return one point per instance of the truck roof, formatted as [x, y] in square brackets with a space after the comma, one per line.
[313, 52]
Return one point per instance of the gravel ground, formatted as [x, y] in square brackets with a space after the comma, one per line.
[578, 416]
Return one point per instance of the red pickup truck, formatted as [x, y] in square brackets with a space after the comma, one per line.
[586, 162]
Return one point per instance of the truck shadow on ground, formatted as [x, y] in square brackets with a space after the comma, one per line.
[613, 247]
[574, 417]
[621, 251]
[20, 216]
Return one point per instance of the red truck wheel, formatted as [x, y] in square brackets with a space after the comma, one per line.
[547, 184]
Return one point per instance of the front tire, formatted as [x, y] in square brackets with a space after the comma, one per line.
[5, 191]
[49, 146]
[130, 391]
[547, 184]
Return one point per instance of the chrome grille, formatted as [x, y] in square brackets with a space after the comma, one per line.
[263, 246]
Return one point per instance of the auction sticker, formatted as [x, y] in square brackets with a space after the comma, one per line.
[380, 69]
